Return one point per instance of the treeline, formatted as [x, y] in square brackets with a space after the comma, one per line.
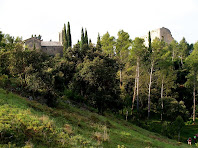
[117, 74]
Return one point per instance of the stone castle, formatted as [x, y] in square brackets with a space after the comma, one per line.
[161, 33]
[49, 47]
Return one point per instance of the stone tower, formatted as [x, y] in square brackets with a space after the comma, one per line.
[61, 37]
[161, 33]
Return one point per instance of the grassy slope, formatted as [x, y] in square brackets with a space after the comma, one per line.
[87, 127]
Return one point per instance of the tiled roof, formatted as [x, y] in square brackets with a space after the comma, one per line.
[50, 43]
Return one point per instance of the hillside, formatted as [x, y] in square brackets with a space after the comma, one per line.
[27, 123]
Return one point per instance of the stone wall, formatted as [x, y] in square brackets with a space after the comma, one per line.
[52, 50]
[161, 33]
[165, 34]
[33, 42]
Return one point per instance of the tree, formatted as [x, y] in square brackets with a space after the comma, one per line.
[178, 125]
[138, 53]
[157, 46]
[192, 63]
[82, 39]
[98, 78]
[107, 43]
[86, 37]
[39, 37]
[165, 73]
[98, 45]
[183, 50]
[149, 41]
[174, 48]
[123, 44]
[64, 38]
[69, 35]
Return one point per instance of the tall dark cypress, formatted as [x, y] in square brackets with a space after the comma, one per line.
[82, 38]
[98, 45]
[69, 35]
[86, 37]
[64, 38]
[149, 41]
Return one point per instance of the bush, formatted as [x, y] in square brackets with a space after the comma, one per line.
[18, 126]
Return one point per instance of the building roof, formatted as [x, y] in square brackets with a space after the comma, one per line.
[31, 39]
[50, 43]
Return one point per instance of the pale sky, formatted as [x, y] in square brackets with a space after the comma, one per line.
[137, 17]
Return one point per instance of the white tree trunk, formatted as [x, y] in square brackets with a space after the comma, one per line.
[162, 93]
[149, 94]
[138, 75]
[134, 92]
[120, 78]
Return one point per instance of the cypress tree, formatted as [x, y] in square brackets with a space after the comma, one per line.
[69, 35]
[64, 38]
[98, 45]
[149, 41]
[82, 38]
[86, 37]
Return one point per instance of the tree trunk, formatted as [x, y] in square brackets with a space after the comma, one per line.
[138, 75]
[120, 77]
[179, 136]
[194, 101]
[149, 94]
[134, 92]
[162, 104]
[182, 61]
[173, 55]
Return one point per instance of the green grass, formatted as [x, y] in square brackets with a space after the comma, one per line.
[26, 123]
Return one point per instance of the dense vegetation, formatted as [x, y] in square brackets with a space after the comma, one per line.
[117, 75]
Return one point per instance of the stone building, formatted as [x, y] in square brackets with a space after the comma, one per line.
[161, 33]
[49, 47]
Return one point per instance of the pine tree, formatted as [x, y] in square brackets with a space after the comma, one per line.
[69, 35]
[86, 37]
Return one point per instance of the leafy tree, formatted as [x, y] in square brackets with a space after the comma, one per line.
[138, 53]
[165, 74]
[98, 76]
[157, 46]
[183, 50]
[123, 44]
[178, 125]
[108, 43]
[192, 63]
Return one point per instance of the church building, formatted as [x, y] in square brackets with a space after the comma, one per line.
[50, 47]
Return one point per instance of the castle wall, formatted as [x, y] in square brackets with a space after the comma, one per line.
[52, 50]
[161, 33]
[165, 34]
